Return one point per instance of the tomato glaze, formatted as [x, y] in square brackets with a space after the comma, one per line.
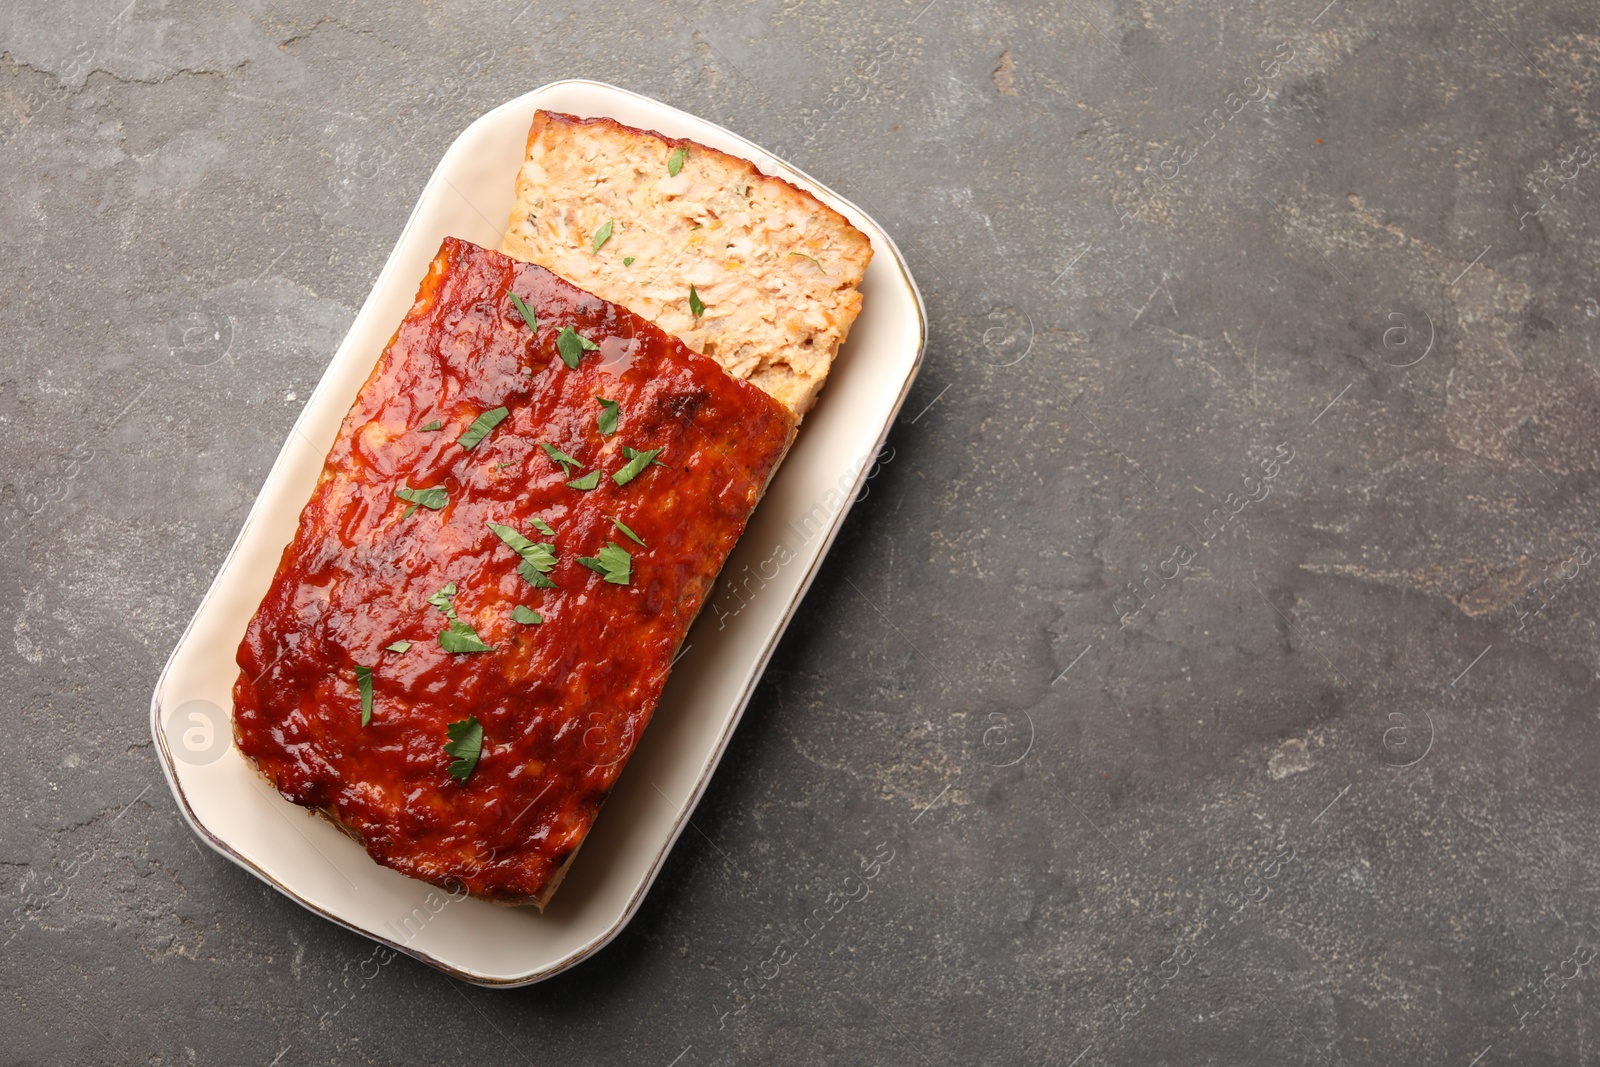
[562, 703]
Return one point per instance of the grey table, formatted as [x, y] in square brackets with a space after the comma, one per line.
[1214, 649]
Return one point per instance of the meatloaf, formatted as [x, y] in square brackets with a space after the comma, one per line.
[522, 513]
[742, 267]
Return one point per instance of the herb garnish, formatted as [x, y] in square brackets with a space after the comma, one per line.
[566, 461]
[458, 636]
[434, 425]
[441, 600]
[400, 646]
[364, 683]
[607, 419]
[525, 311]
[633, 453]
[696, 305]
[542, 526]
[602, 235]
[480, 428]
[461, 637]
[537, 560]
[813, 259]
[572, 345]
[432, 499]
[675, 161]
[466, 745]
[637, 462]
[526, 616]
[613, 563]
[627, 261]
[619, 524]
[587, 482]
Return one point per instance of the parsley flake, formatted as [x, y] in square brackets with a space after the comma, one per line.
[480, 428]
[432, 426]
[696, 306]
[587, 482]
[602, 235]
[627, 261]
[526, 616]
[633, 453]
[537, 560]
[566, 462]
[542, 526]
[619, 524]
[813, 259]
[675, 161]
[607, 419]
[432, 499]
[364, 683]
[612, 563]
[637, 462]
[441, 600]
[465, 745]
[400, 646]
[525, 311]
[572, 345]
[461, 637]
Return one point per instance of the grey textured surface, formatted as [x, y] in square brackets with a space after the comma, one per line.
[1326, 792]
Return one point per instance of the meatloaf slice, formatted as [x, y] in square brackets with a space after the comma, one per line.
[638, 218]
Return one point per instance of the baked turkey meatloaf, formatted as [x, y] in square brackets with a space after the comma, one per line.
[638, 218]
[521, 515]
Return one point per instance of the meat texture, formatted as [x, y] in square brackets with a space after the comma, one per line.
[774, 270]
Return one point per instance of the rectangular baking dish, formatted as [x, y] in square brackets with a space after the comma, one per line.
[306, 858]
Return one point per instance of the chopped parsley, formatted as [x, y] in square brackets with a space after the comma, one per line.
[542, 526]
[675, 161]
[465, 745]
[612, 563]
[526, 616]
[441, 600]
[602, 235]
[364, 683]
[607, 419]
[566, 461]
[572, 345]
[633, 453]
[400, 646]
[537, 560]
[432, 499]
[696, 306]
[637, 462]
[461, 637]
[525, 311]
[432, 426]
[619, 524]
[587, 482]
[813, 259]
[480, 428]
[627, 261]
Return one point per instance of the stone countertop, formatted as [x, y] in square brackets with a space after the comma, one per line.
[1213, 648]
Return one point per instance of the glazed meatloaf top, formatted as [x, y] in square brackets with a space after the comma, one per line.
[639, 218]
[521, 515]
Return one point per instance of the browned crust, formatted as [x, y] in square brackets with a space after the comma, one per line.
[541, 119]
